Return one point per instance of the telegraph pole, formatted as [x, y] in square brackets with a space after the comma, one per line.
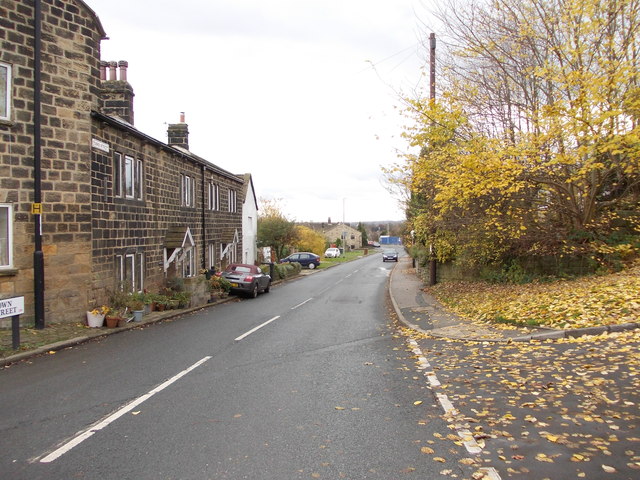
[432, 66]
[36, 207]
[432, 96]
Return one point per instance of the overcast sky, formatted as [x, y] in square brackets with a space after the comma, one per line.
[285, 90]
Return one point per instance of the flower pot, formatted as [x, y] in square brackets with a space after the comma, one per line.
[95, 320]
[112, 322]
[137, 315]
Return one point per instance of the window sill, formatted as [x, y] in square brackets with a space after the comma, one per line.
[8, 272]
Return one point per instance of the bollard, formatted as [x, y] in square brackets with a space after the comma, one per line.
[15, 331]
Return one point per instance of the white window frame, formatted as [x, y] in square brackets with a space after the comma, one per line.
[140, 260]
[212, 255]
[139, 179]
[189, 263]
[214, 196]
[6, 236]
[130, 271]
[5, 91]
[129, 177]
[233, 203]
[117, 174]
[187, 187]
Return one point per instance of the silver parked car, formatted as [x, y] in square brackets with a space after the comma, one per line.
[247, 279]
[389, 254]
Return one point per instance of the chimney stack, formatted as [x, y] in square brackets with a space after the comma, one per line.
[117, 94]
[178, 134]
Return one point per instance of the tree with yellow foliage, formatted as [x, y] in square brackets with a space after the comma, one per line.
[309, 240]
[533, 147]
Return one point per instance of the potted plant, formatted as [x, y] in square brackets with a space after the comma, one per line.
[136, 305]
[95, 316]
[116, 317]
[147, 298]
[218, 287]
[181, 299]
[160, 302]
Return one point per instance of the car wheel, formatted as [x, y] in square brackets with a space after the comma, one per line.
[254, 290]
[268, 287]
[312, 266]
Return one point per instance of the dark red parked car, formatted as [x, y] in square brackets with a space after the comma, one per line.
[247, 279]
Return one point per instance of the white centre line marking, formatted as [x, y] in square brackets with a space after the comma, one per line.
[245, 335]
[300, 304]
[88, 432]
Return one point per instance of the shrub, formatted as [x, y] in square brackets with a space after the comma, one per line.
[286, 270]
[217, 284]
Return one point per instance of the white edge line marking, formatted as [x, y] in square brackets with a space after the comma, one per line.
[245, 335]
[467, 438]
[88, 432]
[300, 304]
[491, 473]
[465, 435]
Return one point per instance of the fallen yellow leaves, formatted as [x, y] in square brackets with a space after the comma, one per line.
[575, 400]
[584, 302]
[541, 457]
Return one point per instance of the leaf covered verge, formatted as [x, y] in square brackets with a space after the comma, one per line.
[585, 302]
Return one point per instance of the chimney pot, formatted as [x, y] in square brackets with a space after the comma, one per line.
[123, 64]
[178, 134]
[116, 96]
[113, 70]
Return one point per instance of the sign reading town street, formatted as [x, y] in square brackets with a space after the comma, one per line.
[10, 307]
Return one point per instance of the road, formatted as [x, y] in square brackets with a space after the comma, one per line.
[311, 380]
[546, 410]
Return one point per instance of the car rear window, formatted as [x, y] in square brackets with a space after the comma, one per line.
[241, 269]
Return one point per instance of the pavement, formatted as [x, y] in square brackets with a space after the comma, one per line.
[416, 309]
[420, 311]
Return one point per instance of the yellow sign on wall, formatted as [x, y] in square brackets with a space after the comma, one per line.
[36, 209]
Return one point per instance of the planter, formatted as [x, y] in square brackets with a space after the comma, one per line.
[112, 322]
[217, 295]
[137, 315]
[95, 320]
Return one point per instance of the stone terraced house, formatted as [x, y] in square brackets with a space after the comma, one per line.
[88, 202]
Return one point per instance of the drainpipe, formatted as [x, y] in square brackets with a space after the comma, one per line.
[204, 221]
[36, 208]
